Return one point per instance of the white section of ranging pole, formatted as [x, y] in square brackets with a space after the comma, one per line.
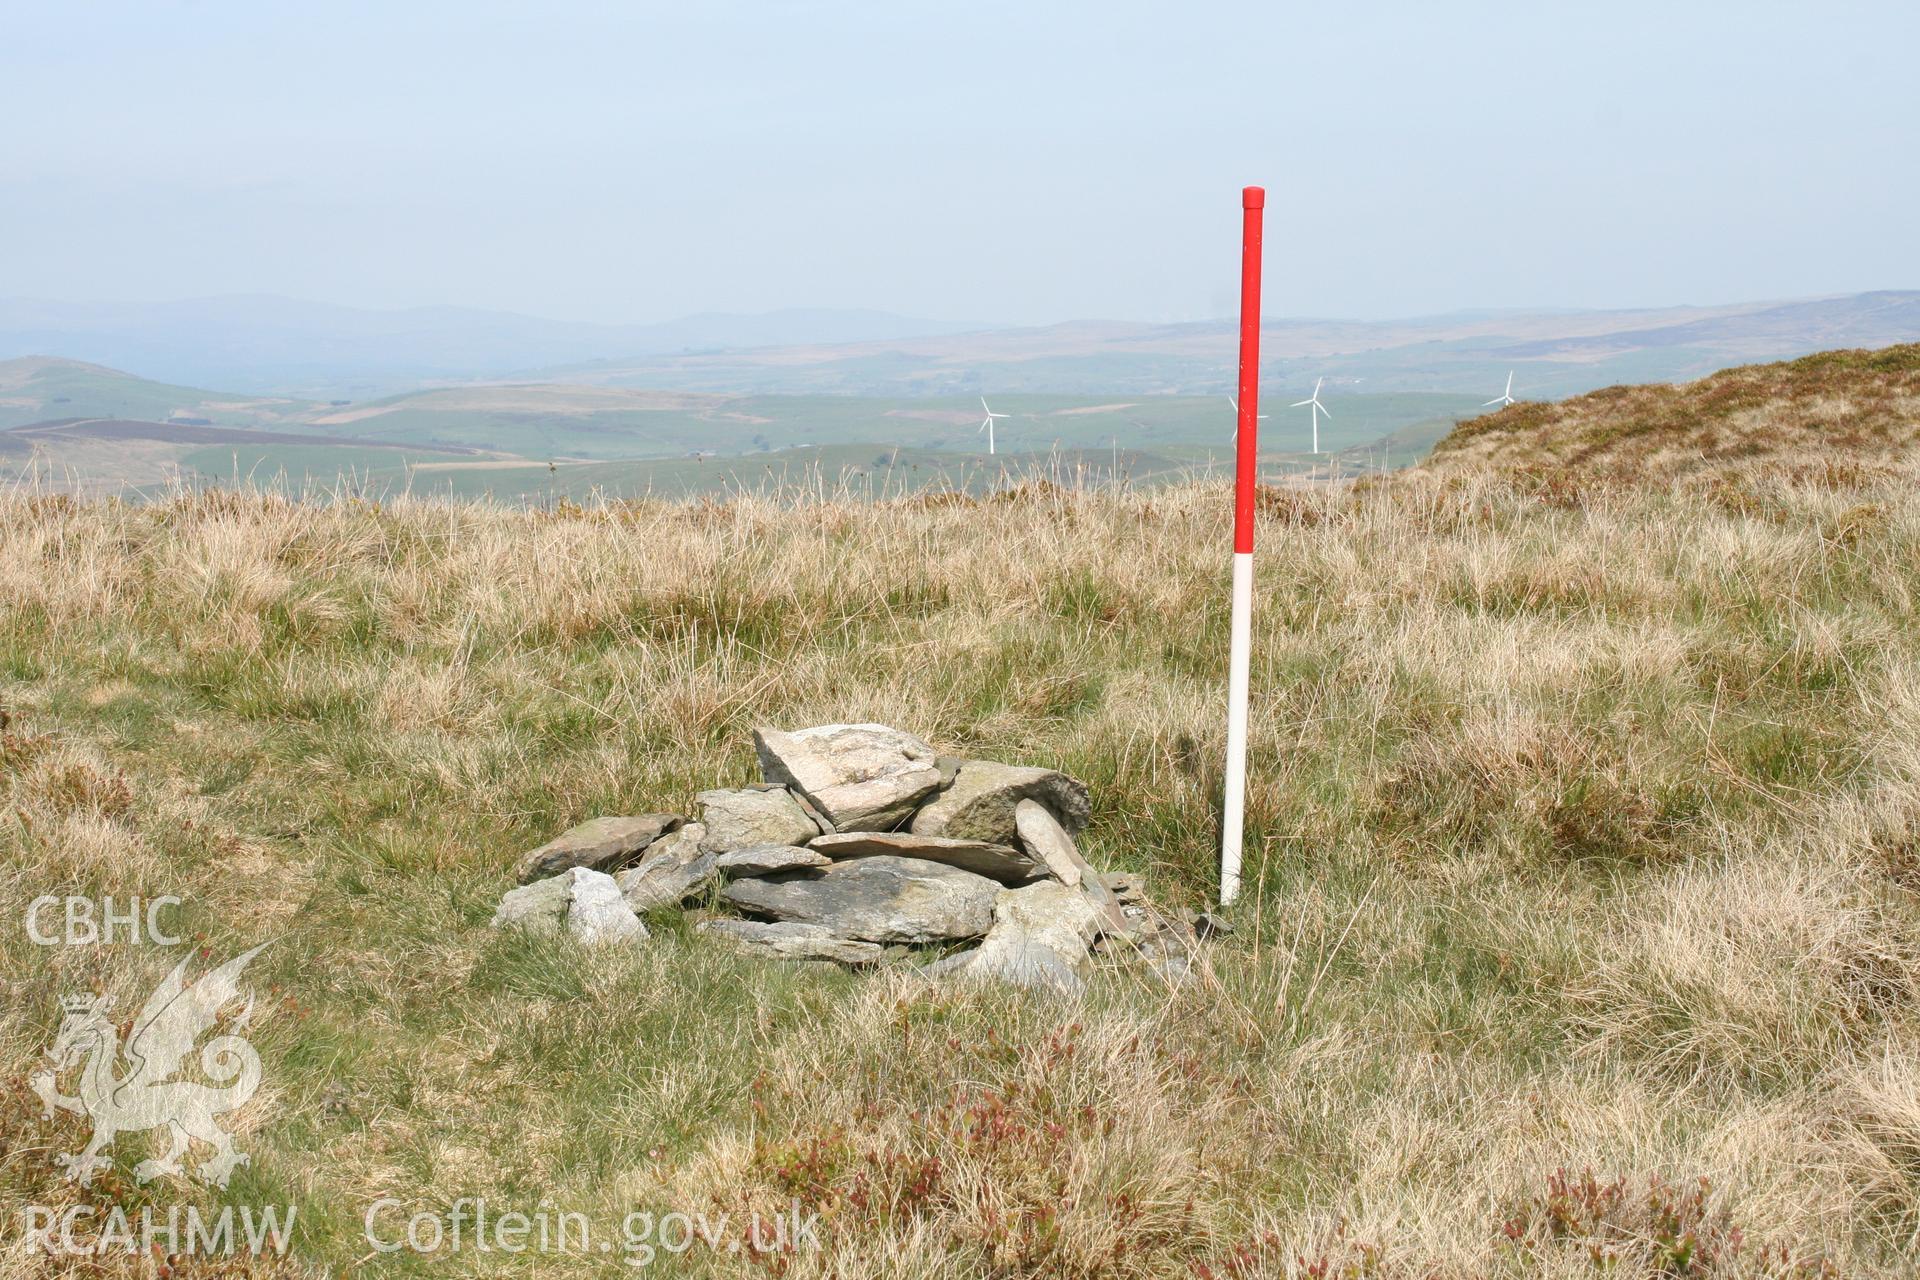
[1239, 660]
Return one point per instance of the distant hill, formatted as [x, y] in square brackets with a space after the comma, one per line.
[567, 421]
[263, 343]
[1552, 353]
[50, 406]
[178, 433]
[39, 388]
[1834, 409]
[260, 345]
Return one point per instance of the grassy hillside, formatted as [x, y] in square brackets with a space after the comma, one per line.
[1582, 838]
[1838, 408]
[120, 457]
[39, 388]
[850, 471]
[536, 444]
[558, 421]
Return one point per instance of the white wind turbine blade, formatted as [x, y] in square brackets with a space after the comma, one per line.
[1322, 408]
[1301, 404]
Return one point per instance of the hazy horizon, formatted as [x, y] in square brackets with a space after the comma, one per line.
[1269, 316]
[618, 164]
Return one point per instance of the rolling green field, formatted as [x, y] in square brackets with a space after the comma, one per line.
[760, 442]
[846, 470]
[570, 428]
[535, 443]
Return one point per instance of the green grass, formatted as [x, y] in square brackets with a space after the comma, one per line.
[1570, 845]
[303, 465]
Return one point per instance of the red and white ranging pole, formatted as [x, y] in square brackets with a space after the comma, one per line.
[1253, 203]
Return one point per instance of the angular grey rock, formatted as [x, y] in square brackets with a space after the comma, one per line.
[599, 912]
[1046, 839]
[994, 861]
[604, 844]
[1169, 952]
[862, 777]
[1164, 944]
[949, 966]
[1127, 888]
[767, 860]
[674, 870]
[1208, 925]
[747, 817]
[880, 899]
[586, 903]
[980, 803]
[820, 819]
[1174, 970]
[540, 905]
[1043, 834]
[1040, 939]
[793, 941]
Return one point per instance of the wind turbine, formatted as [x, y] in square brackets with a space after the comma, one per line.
[1318, 409]
[1235, 433]
[1505, 398]
[987, 426]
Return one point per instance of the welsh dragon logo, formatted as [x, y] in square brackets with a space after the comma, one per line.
[126, 1089]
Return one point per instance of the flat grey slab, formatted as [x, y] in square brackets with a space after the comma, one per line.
[603, 844]
[752, 816]
[767, 860]
[674, 870]
[793, 941]
[995, 861]
[879, 899]
[861, 777]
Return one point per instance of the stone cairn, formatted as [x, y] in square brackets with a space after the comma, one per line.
[863, 847]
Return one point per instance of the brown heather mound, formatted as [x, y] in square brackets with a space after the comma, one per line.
[1848, 409]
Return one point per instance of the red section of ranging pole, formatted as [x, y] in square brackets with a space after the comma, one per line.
[1253, 205]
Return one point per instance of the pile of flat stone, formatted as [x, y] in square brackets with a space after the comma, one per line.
[863, 846]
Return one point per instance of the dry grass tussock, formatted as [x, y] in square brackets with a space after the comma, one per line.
[1826, 417]
[1583, 936]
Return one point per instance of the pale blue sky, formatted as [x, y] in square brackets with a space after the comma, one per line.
[1025, 162]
